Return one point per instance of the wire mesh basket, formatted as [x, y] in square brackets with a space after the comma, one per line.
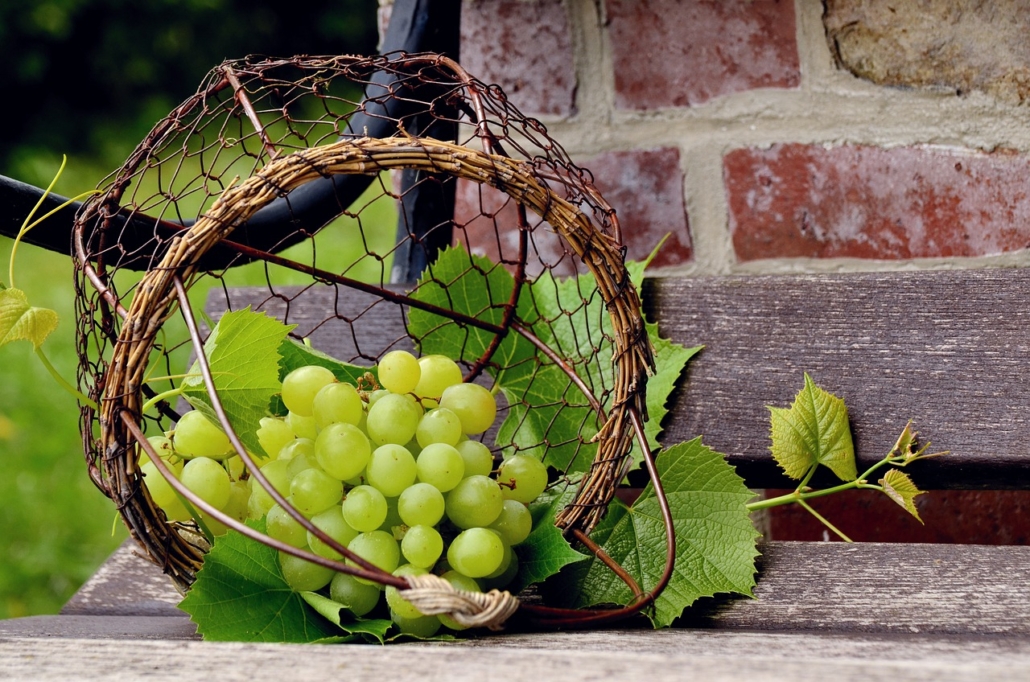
[273, 170]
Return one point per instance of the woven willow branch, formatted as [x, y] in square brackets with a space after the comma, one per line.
[154, 302]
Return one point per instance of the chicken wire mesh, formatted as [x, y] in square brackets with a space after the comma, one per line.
[325, 184]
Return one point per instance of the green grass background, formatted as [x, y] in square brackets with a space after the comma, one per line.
[55, 526]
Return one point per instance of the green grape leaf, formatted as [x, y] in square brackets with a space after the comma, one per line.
[243, 351]
[20, 321]
[240, 595]
[296, 355]
[813, 430]
[900, 488]
[371, 630]
[546, 551]
[477, 288]
[715, 539]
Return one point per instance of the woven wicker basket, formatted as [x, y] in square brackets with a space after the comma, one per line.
[288, 125]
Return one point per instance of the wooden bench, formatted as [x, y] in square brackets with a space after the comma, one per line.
[946, 349]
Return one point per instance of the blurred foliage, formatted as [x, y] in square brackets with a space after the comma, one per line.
[90, 77]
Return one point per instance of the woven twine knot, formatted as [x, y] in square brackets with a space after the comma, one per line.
[432, 595]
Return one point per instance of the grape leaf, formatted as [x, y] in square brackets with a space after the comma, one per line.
[546, 551]
[715, 540]
[900, 488]
[296, 355]
[241, 595]
[243, 351]
[366, 629]
[475, 287]
[20, 321]
[813, 430]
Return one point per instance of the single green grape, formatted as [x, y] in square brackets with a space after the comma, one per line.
[476, 552]
[197, 436]
[302, 575]
[473, 404]
[313, 491]
[421, 504]
[364, 508]
[273, 435]
[461, 582]
[399, 372]
[359, 597]
[391, 469]
[524, 478]
[301, 385]
[422, 627]
[282, 527]
[239, 497]
[479, 461]
[163, 494]
[476, 501]
[422, 546]
[438, 426]
[395, 601]
[515, 523]
[276, 474]
[303, 427]
[378, 548]
[441, 466]
[437, 373]
[392, 419]
[337, 403]
[342, 450]
[208, 480]
[332, 523]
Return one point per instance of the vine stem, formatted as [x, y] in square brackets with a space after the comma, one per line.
[824, 521]
[61, 380]
[170, 393]
[799, 495]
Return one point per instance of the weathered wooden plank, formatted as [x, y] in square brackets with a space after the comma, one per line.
[869, 587]
[142, 627]
[946, 349]
[125, 585]
[670, 655]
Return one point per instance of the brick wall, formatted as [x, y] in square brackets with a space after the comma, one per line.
[792, 136]
[773, 136]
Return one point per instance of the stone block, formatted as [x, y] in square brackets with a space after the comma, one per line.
[959, 45]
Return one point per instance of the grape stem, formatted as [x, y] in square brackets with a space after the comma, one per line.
[62, 381]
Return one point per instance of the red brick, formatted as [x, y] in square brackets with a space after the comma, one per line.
[646, 190]
[526, 48]
[644, 186]
[797, 200]
[680, 53]
[991, 517]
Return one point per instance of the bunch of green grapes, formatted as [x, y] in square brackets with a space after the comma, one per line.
[393, 475]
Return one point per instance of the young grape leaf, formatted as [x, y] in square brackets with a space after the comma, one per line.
[900, 488]
[241, 595]
[546, 551]
[715, 540]
[371, 630]
[243, 351]
[813, 430]
[20, 321]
